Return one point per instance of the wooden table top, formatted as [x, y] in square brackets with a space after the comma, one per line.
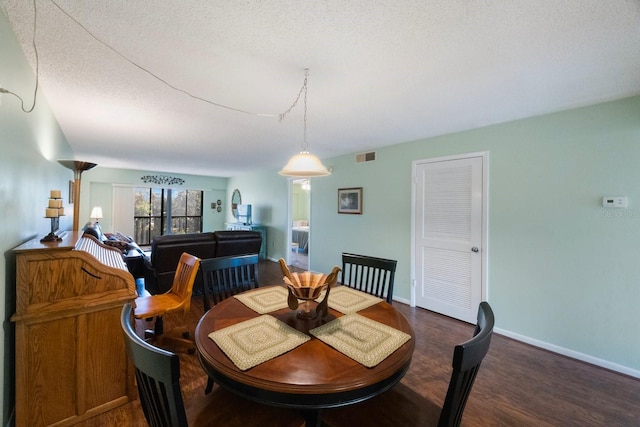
[313, 368]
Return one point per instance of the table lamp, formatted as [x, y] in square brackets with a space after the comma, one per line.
[96, 213]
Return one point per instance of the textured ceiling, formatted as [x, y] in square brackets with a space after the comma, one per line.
[381, 72]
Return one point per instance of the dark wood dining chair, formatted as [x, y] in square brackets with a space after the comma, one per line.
[225, 277]
[158, 380]
[368, 274]
[403, 406]
[176, 300]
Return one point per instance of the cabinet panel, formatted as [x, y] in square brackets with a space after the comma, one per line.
[71, 362]
[105, 357]
[51, 363]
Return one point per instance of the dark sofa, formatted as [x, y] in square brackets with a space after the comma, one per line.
[126, 244]
[166, 250]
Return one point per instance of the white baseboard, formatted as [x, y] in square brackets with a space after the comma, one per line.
[570, 353]
[402, 300]
[559, 350]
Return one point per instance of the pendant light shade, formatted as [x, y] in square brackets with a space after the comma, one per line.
[304, 164]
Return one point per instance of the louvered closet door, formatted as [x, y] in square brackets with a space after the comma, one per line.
[449, 197]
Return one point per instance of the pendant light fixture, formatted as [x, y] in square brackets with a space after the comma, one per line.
[304, 164]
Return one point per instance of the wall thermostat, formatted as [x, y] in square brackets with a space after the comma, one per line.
[615, 202]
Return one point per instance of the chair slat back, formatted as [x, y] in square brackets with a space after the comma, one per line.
[157, 376]
[467, 358]
[368, 274]
[224, 277]
[184, 278]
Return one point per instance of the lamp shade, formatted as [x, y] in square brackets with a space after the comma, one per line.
[96, 213]
[304, 165]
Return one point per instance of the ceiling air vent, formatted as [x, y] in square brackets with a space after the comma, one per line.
[366, 157]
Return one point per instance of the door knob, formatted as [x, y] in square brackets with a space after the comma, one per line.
[474, 249]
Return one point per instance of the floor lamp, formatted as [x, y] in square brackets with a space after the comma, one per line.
[77, 167]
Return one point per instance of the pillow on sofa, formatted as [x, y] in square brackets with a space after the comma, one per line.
[118, 237]
[119, 244]
[120, 241]
[93, 229]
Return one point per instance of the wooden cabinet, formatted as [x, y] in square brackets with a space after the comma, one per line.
[71, 362]
[252, 227]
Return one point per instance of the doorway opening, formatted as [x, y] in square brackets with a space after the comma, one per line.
[300, 226]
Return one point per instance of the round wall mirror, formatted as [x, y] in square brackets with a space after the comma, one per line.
[236, 199]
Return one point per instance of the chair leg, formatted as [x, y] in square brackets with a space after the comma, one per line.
[209, 386]
[313, 418]
[158, 329]
[159, 326]
[179, 336]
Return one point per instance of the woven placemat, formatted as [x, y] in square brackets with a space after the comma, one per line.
[364, 340]
[347, 300]
[257, 340]
[265, 300]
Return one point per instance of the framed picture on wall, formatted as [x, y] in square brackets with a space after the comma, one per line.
[350, 200]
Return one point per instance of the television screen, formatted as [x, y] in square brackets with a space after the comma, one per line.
[244, 214]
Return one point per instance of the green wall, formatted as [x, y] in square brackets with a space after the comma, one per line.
[563, 271]
[98, 184]
[30, 144]
[267, 193]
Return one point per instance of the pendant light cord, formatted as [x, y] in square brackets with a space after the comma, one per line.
[280, 116]
[303, 89]
[35, 50]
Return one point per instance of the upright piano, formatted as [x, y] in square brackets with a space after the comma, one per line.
[71, 363]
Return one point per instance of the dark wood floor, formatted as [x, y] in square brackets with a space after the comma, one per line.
[518, 385]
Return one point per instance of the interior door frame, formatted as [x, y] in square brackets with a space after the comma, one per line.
[484, 276]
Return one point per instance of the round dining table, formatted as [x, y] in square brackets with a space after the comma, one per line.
[311, 377]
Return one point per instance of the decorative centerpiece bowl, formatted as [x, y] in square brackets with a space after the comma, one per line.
[308, 286]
